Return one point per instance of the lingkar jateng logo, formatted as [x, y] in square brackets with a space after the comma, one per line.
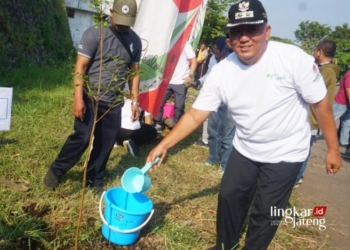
[299, 217]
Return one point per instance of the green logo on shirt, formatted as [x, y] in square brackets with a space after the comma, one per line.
[275, 76]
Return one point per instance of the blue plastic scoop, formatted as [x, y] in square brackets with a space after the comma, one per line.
[136, 180]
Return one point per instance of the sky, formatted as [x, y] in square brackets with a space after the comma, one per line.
[285, 16]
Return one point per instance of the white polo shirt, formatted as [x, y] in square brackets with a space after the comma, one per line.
[268, 101]
[182, 69]
[126, 122]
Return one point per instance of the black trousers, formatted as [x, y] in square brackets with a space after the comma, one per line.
[144, 135]
[270, 184]
[76, 144]
[179, 91]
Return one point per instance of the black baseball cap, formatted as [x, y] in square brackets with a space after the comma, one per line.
[246, 13]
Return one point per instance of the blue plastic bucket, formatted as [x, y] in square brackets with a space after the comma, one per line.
[124, 215]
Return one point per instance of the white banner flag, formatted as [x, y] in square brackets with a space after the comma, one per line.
[164, 27]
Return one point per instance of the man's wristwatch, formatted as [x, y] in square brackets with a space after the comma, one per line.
[135, 103]
[191, 76]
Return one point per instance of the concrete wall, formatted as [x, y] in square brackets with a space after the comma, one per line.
[79, 23]
[80, 17]
[78, 4]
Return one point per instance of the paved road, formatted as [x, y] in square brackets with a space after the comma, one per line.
[330, 190]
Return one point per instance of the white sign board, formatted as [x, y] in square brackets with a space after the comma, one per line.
[5, 108]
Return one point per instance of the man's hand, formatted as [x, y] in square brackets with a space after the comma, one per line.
[158, 151]
[135, 112]
[333, 162]
[79, 108]
[324, 116]
[188, 123]
[187, 79]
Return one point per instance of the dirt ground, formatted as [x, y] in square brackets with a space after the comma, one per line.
[333, 191]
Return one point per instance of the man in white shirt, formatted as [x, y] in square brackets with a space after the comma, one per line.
[183, 74]
[266, 86]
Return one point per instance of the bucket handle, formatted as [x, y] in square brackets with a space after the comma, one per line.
[118, 230]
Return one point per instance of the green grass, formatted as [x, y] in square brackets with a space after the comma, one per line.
[184, 190]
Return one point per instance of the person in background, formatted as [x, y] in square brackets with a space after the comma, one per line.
[134, 134]
[266, 86]
[340, 108]
[323, 54]
[199, 83]
[183, 74]
[202, 57]
[207, 60]
[220, 127]
[123, 15]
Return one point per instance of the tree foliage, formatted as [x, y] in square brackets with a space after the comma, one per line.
[283, 40]
[310, 34]
[33, 32]
[341, 36]
[215, 20]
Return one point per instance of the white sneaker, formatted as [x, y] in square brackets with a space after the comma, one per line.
[131, 147]
[200, 143]
[221, 171]
[298, 183]
[159, 127]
